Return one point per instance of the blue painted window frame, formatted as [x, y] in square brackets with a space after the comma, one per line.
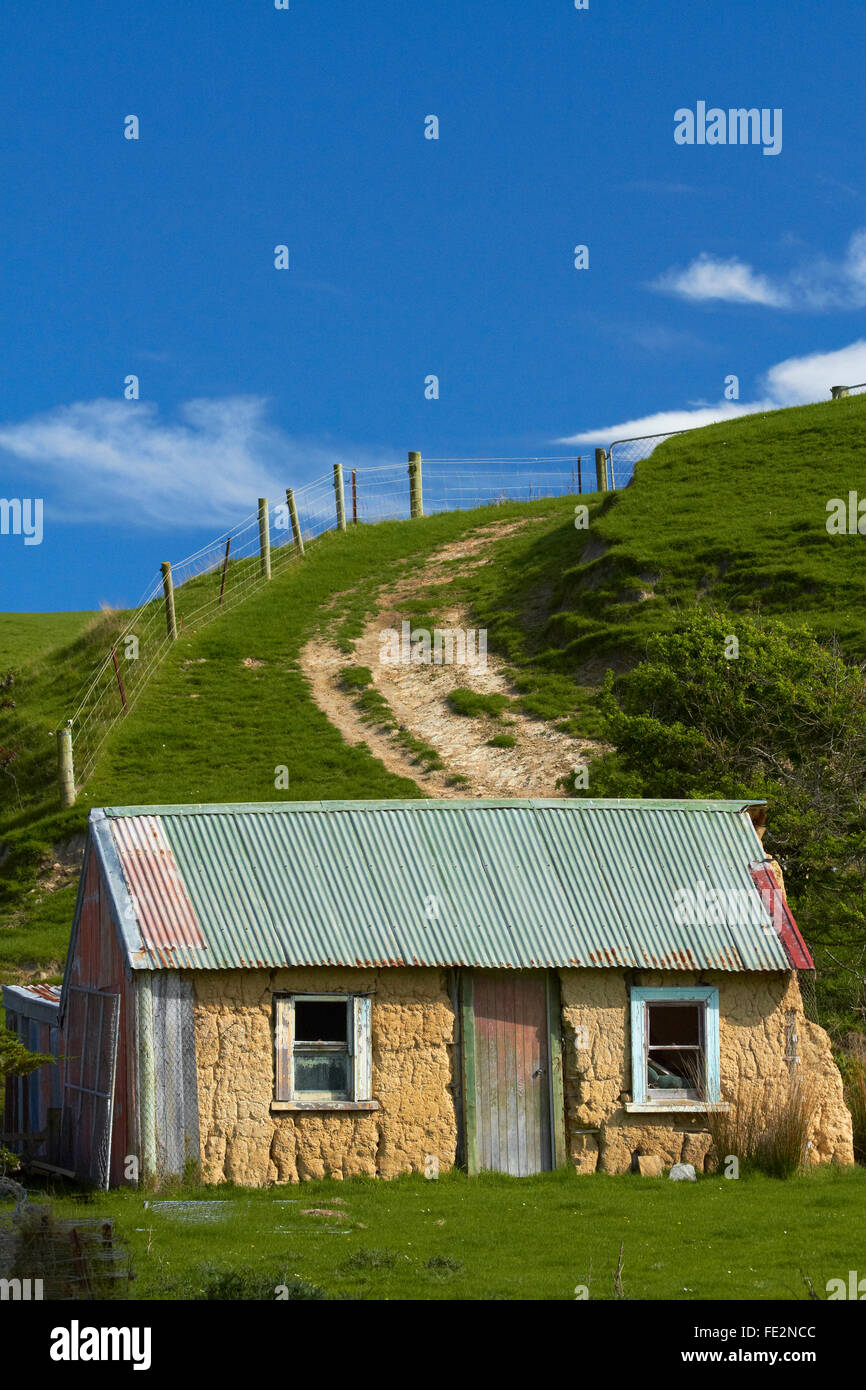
[708, 995]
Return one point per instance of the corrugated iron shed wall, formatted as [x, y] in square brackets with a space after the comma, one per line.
[519, 884]
[33, 1014]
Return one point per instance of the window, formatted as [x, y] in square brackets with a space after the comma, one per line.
[323, 1052]
[675, 1047]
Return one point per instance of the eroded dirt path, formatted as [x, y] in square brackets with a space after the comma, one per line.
[417, 695]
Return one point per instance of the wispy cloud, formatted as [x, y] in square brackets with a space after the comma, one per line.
[732, 281]
[818, 284]
[103, 460]
[795, 381]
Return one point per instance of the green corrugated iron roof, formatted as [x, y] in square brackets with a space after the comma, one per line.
[475, 883]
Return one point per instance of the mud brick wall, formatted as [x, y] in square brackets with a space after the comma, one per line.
[758, 1013]
[244, 1141]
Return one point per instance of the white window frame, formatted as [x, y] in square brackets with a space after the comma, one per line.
[706, 996]
[359, 1046]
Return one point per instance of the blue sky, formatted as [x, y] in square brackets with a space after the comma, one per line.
[408, 256]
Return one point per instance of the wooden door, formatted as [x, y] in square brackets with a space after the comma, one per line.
[511, 1065]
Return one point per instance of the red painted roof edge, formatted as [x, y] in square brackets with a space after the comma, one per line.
[782, 918]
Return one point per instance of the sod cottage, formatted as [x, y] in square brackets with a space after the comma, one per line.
[288, 991]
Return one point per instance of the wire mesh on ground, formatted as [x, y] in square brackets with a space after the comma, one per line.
[43, 1256]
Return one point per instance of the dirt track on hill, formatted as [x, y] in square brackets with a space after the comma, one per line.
[417, 695]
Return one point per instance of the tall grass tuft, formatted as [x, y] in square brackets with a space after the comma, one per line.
[767, 1126]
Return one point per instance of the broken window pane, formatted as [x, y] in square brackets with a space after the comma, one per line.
[321, 1020]
[674, 1024]
[676, 1064]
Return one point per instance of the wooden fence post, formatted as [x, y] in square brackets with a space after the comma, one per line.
[293, 517]
[264, 538]
[416, 499]
[64, 765]
[225, 569]
[837, 392]
[601, 470]
[119, 677]
[168, 590]
[338, 493]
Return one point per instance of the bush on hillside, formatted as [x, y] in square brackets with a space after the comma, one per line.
[783, 720]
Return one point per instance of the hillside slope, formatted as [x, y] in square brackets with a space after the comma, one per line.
[732, 516]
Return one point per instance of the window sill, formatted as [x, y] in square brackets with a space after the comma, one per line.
[667, 1107]
[324, 1105]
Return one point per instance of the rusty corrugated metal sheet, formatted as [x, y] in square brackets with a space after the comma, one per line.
[164, 913]
[478, 883]
[50, 993]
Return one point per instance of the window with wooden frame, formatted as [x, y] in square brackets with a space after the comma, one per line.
[675, 1047]
[323, 1052]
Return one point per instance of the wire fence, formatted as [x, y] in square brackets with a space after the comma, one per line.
[229, 568]
[623, 454]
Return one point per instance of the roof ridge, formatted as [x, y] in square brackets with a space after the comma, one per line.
[720, 804]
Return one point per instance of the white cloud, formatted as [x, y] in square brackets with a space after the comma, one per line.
[796, 381]
[732, 281]
[800, 380]
[816, 285]
[665, 422]
[104, 459]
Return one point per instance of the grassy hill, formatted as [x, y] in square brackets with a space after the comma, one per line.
[733, 516]
[25, 637]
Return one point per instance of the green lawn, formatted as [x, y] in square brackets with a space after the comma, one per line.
[495, 1237]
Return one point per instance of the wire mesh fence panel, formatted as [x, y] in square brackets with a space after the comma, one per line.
[625, 453]
[460, 484]
[90, 1044]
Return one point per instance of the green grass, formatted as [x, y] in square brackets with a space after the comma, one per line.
[25, 637]
[495, 1237]
[356, 677]
[734, 515]
[473, 704]
[502, 741]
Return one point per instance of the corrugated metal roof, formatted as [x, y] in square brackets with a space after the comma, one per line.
[475, 883]
[33, 1001]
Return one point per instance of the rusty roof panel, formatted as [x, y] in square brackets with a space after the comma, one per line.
[165, 915]
[663, 885]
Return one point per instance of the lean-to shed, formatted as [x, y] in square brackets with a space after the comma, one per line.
[290, 990]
